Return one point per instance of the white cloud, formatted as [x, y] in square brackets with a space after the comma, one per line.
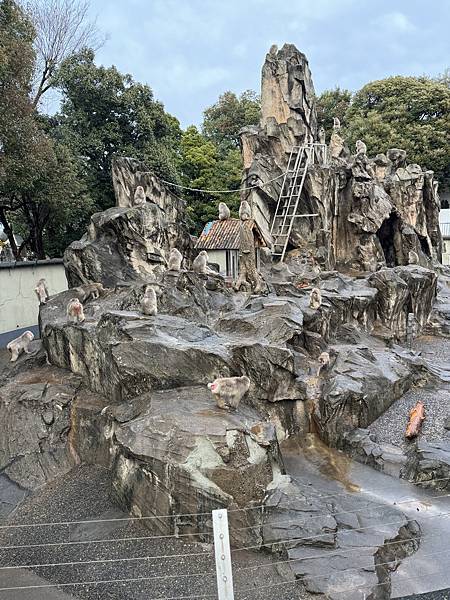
[396, 22]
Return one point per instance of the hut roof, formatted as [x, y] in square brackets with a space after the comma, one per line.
[224, 235]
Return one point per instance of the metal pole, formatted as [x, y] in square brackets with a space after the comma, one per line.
[223, 554]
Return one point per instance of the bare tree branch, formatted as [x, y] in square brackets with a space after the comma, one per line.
[63, 27]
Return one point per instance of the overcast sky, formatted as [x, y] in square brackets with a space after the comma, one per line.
[190, 51]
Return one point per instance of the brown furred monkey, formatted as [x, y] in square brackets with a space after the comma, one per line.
[200, 264]
[175, 260]
[139, 196]
[229, 391]
[41, 291]
[245, 212]
[20, 344]
[149, 304]
[224, 212]
[361, 147]
[324, 361]
[315, 298]
[86, 291]
[75, 312]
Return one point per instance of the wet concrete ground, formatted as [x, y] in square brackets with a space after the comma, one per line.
[330, 472]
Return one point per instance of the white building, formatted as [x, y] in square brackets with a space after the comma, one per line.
[221, 241]
[444, 224]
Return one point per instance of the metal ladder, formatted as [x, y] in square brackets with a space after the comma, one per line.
[299, 160]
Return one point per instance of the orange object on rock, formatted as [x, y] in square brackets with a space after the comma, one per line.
[416, 416]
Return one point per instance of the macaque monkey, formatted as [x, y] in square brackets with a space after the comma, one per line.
[139, 196]
[245, 212]
[229, 391]
[75, 312]
[89, 290]
[41, 290]
[149, 304]
[336, 124]
[413, 258]
[20, 344]
[175, 260]
[315, 299]
[200, 264]
[224, 211]
[322, 136]
[361, 148]
[324, 361]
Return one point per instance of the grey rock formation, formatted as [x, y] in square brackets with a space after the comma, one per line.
[128, 243]
[371, 211]
[134, 398]
[429, 464]
[35, 409]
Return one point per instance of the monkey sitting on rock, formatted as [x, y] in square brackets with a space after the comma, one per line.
[149, 303]
[315, 299]
[229, 391]
[41, 291]
[224, 212]
[361, 147]
[139, 196]
[89, 290]
[245, 212]
[75, 311]
[324, 361]
[20, 344]
[200, 264]
[175, 260]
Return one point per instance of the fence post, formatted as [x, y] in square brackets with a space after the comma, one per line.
[222, 554]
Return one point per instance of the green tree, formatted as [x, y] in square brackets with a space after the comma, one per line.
[204, 167]
[211, 159]
[38, 177]
[412, 113]
[223, 120]
[332, 103]
[105, 113]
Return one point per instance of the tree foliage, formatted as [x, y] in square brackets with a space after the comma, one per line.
[63, 28]
[412, 113]
[332, 103]
[103, 113]
[223, 120]
[211, 159]
[38, 176]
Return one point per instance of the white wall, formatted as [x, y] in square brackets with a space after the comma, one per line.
[446, 252]
[218, 257]
[19, 306]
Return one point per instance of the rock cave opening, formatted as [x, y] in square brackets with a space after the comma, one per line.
[387, 234]
[424, 245]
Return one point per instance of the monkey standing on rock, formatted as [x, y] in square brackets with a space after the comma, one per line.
[229, 391]
[149, 303]
[41, 291]
[20, 344]
[175, 260]
[89, 290]
[75, 312]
